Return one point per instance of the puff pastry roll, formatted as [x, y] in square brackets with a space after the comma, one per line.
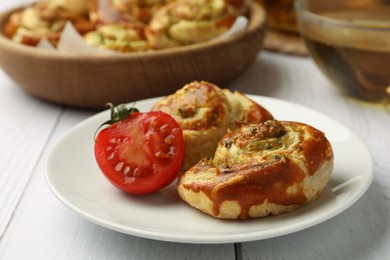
[185, 22]
[142, 10]
[41, 20]
[260, 169]
[122, 36]
[205, 112]
[80, 7]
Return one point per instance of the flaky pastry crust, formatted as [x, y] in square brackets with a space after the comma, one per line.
[44, 21]
[260, 169]
[123, 36]
[205, 113]
[142, 10]
[184, 22]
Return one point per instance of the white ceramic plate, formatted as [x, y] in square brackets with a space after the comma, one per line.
[76, 180]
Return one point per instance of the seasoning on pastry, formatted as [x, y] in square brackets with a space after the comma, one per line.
[38, 21]
[80, 7]
[142, 10]
[205, 113]
[104, 12]
[259, 170]
[120, 36]
[185, 22]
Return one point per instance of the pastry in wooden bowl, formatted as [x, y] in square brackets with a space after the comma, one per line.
[142, 10]
[184, 22]
[44, 20]
[90, 80]
[259, 170]
[104, 12]
[205, 113]
[123, 36]
[80, 7]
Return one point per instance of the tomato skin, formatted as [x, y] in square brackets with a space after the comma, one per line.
[142, 153]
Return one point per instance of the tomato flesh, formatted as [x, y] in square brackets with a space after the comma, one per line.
[142, 153]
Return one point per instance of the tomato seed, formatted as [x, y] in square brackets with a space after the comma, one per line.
[163, 155]
[164, 129]
[136, 172]
[119, 166]
[126, 170]
[169, 139]
[111, 156]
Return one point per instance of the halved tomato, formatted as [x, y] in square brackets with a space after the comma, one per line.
[140, 153]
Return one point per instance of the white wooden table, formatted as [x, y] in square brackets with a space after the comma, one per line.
[35, 225]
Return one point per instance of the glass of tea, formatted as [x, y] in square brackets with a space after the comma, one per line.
[350, 42]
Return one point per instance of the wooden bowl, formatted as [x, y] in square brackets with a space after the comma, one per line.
[90, 81]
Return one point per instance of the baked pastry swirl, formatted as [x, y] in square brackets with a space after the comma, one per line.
[185, 22]
[142, 10]
[205, 113]
[260, 169]
[123, 36]
[45, 20]
[80, 7]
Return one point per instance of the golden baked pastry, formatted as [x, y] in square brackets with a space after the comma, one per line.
[120, 36]
[38, 21]
[185, 22]
[205, 113]
[80, 7]
[104, 12]
[260, 169]
[142, 10]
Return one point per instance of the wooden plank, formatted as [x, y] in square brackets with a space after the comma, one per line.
[57, 232]
[358, 233]
[25, 131]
